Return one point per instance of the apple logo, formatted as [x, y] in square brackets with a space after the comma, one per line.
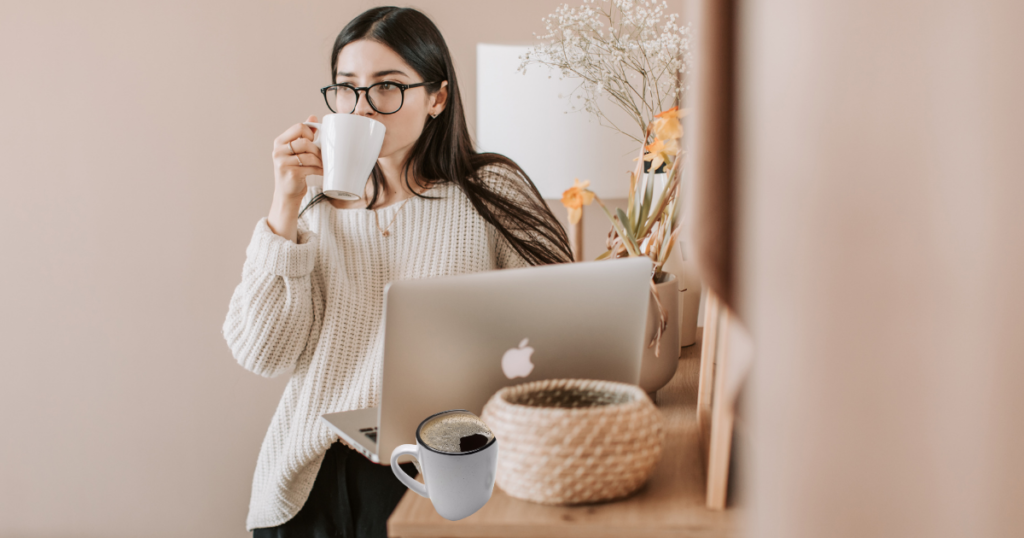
[516, 361]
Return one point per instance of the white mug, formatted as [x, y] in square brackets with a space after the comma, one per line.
[349, 145]
[457, 483]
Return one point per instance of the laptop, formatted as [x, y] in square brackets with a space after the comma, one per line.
[451, 342]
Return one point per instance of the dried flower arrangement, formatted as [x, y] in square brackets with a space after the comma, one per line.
[637, 58]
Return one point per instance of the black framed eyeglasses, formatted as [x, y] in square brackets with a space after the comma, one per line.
[386, 97]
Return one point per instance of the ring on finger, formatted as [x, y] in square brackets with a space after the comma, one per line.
[300, 160]
[290, 146]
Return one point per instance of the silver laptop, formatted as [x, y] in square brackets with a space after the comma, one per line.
[451, 342]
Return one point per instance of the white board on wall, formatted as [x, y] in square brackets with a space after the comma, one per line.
[523, 116]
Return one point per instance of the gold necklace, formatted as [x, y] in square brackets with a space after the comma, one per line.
[385, 231]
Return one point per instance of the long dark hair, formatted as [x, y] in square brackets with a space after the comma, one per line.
[444, 151]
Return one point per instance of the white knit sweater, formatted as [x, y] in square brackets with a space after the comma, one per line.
[313, 309]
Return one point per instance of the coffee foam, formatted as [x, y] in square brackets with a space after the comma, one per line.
[445, 433]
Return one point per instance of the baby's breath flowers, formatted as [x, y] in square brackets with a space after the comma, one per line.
[628, 49]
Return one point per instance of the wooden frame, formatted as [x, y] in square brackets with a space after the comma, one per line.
[726, 357]
[714, 419]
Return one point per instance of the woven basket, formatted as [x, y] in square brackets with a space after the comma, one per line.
[572, 441]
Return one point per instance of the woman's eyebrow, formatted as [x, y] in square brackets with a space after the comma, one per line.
[377, 74]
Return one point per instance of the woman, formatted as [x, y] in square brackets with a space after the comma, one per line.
[311, 297]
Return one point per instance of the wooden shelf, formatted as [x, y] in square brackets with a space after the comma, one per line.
[670, 504]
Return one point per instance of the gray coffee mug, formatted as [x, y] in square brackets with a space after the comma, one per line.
[457, 483]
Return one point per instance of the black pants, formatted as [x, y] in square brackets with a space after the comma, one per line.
[352, 497]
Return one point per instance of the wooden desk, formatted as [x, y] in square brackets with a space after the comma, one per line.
[670, 504]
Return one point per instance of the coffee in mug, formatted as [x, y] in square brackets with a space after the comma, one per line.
[350, 145]
[455, 432]
[458, 457]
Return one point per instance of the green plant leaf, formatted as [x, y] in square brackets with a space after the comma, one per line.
[669, 188]
[675, 212]
[626, 241]
[631, 201]
[645, 207]
[603, 255]
[667, 249]
[629, 231]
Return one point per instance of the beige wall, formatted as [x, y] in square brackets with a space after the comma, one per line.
[882, 237]
[135, 156]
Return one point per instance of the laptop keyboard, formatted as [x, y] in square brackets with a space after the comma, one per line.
[370, 432]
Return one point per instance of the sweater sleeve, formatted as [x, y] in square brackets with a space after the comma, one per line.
[271, 311]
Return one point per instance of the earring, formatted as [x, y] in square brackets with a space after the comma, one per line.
[433, 115]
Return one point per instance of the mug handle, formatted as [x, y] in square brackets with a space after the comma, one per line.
[404, 477]
[316, 134]
[314, 180]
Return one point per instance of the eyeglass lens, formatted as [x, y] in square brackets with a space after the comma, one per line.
[386, 98]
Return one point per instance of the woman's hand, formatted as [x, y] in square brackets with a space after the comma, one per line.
[289, 175]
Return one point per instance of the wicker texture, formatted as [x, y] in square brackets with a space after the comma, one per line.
[572, 441]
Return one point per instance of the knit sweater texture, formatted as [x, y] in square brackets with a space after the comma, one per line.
[313, 309]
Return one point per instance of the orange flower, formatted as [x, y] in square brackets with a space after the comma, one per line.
[575, 197]
[668, 125]
[660, 151]
[670, 113]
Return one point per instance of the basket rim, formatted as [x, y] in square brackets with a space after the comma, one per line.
[639, 397]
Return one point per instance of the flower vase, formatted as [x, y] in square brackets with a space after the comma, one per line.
[657, 371]
[689, 292]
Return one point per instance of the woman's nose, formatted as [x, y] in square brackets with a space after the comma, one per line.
[363, 107]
